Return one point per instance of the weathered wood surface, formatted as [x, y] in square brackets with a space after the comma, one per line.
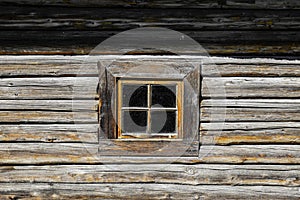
[268, 121]
[252, 103]
[212, 133]
[14, 66]
[67, 63]
[215, 42]
[244, 114]
[49, 105]
[49, 133]
[252, 87]
[47, 117]
[257, 4]
[277, 175]
[250, 133]
[149, 148]
[255, 70]
[48, 88]
[45, 153]
[55, 18]
[143, 191]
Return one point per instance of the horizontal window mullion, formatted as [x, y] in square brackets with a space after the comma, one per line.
[163, 109]
[135, 108]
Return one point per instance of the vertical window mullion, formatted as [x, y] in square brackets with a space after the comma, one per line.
[149, 110]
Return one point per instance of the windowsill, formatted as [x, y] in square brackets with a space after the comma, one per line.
[146, 140]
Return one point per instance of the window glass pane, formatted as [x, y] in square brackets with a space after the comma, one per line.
[164, 96]
[134, 121]
[163, 121]
[135, 95]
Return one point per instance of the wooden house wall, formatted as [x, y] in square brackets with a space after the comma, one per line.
[256, 155]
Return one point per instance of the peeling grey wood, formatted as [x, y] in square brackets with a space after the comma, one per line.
[252, 87]
[144, 191]
[45, 153]
[277, 175]
[48, 88]
[49, 133]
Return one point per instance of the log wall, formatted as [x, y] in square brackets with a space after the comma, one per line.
[47, 145]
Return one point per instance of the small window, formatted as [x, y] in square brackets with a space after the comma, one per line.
[149, 109]
[148, 106]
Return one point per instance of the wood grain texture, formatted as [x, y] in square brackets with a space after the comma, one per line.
[250, 133]
[51, 66]
[70, 48]
[47, 117]
[143, 191]
[290, 104]
[258, 4]
[268, 121]
[49, 105]
[244, 114]
[255, 70]
[54, 18]
[48, 88]
[215, 42]
[49, 133]
[45, 153]
[276, 175]
[252, 87]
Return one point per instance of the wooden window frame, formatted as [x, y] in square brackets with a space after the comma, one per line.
[155, 69]
[151, 136]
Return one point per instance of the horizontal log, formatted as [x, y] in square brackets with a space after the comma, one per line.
[47, 117]
[47, 69]
[92, 37]
[14, 66]
[249, 114]
[250, 110]
[48, 88]
[143, 191]
[68, 61]
[215, 42]
[286, 50]
[269, 70]
[250, 133]
[277, 175]
[54, 18]
[45, 153]
[263, 136]
[49, 105]
[258, 4]
[251, 87]
[252, 103]
[49, 133]
[248, 125]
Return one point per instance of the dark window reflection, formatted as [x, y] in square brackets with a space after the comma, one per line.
[164, 96]
[163, 121]
[134, 121]
[135, 95]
